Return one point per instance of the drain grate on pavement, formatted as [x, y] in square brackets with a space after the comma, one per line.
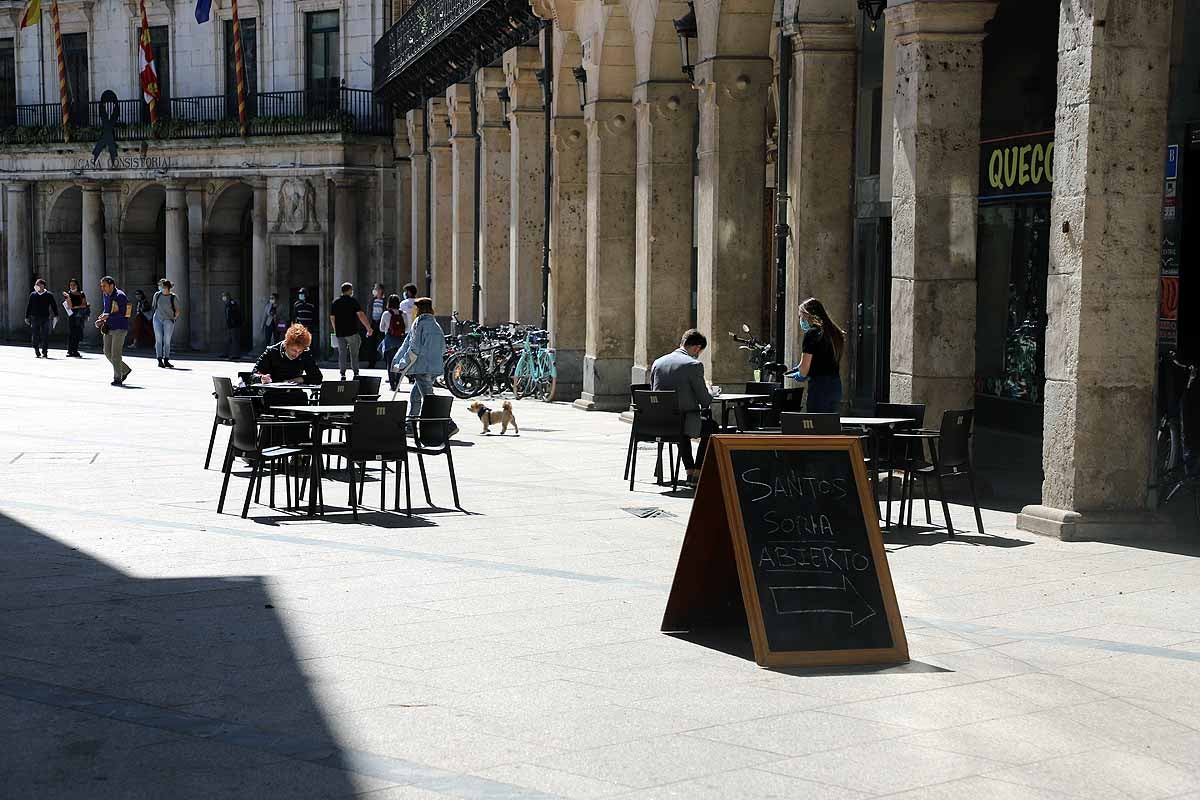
[647, 513]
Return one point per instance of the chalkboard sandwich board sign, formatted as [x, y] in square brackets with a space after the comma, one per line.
[784, 536]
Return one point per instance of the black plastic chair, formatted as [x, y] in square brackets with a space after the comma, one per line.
[368, 385]
[246, 442]
[761, 414]
[656, 418]
[890, 456]
[376, 433]
[783, 401]
[432, 437]
[338, 393]
[798, 424]
[634, 387]
[222, 390]
[949, 457]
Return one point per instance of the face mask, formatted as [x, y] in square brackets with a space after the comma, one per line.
[301, 295]
[804, 326]
[41, 290]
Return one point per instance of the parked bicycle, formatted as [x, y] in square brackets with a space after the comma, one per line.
[535, 374]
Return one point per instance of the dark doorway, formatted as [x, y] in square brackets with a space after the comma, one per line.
[873, 292]
[299, 267]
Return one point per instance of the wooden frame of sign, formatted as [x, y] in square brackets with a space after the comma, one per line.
[809, 576]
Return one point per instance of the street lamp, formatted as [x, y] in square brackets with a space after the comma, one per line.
[872, 10]
[505, 99]
[685, 29]
[581, 81]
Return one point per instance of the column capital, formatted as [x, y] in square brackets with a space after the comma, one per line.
[939, 19]
[520, 74]
[489, 81]
[611, 117]
[666, 99]
[570, 133]
[831, 35]
[733, 80]
[413, 123]
[439, 131]
[458, 110]
[16, 186]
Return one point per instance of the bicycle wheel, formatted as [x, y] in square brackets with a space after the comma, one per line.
[465, 376]
[523, 379]
[547, 377]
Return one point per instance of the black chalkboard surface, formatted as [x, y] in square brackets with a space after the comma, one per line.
[788, 523]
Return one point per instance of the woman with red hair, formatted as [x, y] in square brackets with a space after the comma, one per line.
[289, 361]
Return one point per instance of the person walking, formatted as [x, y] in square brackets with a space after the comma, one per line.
[304, 313]
[76, 304]
[271, 320]
[820, 364]
[422, 352]
[165, 306]
[233, 327]
[140, 326]
[406, 304]
[682, 372]
[378, 306]
[113, 323]
[348, 321]
[394, 329]
[41, 312]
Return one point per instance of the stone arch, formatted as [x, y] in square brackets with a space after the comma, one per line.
[734, 28]
[227, 212]
[63, 232]
[606, 33]
[228, 243]
[656, 45]
[143, 238]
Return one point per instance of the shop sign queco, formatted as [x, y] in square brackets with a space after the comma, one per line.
[1016, 165]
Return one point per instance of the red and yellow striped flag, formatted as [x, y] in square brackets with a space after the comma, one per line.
[32, 15]
[240, 69]
[147, 74]
[64, 96]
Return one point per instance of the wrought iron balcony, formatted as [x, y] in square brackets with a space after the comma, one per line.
[335, 110]
[437, 43]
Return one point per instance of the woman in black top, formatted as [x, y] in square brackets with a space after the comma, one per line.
[77, 304]
[289, 361]
[820, 365]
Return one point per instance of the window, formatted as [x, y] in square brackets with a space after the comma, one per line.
[161, 45]
[75, 56]
[8, 83]
[249, 63]
[322, 69]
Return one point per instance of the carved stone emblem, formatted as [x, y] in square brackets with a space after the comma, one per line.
[297, 206]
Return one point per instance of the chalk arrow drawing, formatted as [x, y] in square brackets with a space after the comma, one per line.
[843, 599]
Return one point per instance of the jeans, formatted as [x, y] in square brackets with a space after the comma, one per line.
[348, 353]
[74, 332]
[163, 330]
[41, 333]
[114, 346]
[233, 342]
[824, 394]
[422, 385]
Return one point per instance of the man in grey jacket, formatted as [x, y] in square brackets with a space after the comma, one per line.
[682, 372]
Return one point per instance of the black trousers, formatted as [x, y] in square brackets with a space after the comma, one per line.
[74, 332]
[707, 428]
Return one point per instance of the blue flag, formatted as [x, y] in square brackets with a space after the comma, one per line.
[202, 9]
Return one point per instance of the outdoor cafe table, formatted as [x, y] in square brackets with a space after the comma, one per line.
[319, 416]
[876, 427]
[727, 399]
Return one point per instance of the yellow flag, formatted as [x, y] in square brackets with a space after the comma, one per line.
[33, 14]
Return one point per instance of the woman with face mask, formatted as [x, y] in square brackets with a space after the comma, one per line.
[820, 365]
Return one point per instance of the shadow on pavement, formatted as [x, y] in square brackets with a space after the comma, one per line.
[113, 686]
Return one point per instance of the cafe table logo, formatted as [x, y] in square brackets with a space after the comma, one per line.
[1016, 165]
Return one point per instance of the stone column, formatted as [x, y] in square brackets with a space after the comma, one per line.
[732, 247]
[821, 175]
[400, 271]
[494, 200]
[20, 256]
[528, 129]
[462, 191]
[1105, 246]
[441, 245]
[568, 254]
[192, 290]
[935, 182]
[611, 254]
[418, 163]
[93, 255]
[261, 283]
[177, 238]
[345, 238]
[663, 269]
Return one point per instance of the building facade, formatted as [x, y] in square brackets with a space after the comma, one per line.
[990, 195]
[304, 197]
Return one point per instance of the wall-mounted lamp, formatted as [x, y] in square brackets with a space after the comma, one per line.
[685, 29]
[581, 81]
[872, 10]
[505, 99]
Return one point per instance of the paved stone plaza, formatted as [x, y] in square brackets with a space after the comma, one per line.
[151, 649]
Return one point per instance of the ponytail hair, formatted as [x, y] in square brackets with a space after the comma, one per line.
[812, 307]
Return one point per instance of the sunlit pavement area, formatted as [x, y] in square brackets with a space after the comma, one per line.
[150, 648]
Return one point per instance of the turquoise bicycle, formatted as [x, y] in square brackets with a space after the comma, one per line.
[535, 374]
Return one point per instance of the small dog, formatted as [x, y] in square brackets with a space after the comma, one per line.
[488, 417]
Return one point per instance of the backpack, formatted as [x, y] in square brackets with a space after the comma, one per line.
[396, 325]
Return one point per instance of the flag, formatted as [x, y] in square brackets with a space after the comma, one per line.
[32, 15]
[146, 72]
[64, 97]
[240, 69]
[202, 9]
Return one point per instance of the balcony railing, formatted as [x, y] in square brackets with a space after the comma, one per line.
[436, 43]
[337, 110]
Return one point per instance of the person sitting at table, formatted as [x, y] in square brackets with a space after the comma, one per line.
[289, 361]
[682, 372]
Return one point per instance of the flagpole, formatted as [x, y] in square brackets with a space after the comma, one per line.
[240, 70]
[42, 66]
[63, 94]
